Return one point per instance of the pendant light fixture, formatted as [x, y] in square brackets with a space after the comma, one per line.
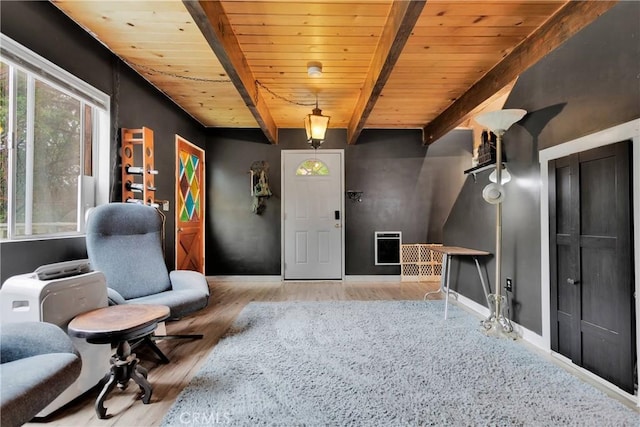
[315, 124]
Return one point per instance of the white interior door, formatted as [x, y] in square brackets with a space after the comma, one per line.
[312, 214]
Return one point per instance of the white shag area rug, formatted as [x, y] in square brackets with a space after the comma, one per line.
[381, 363]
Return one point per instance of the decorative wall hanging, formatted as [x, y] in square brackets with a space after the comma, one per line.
[259, 186]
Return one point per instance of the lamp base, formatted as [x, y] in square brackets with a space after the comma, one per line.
[496, 328]
[497, 324]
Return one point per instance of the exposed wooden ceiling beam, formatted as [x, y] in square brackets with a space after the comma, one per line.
[214, 24]
[403, 16]
[494, 102]
[570, 19]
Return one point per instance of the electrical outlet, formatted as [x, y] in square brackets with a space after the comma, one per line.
[509, 286]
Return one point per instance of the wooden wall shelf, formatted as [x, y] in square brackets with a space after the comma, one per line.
[138, 171]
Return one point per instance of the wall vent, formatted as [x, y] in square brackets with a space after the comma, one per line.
[387, 247]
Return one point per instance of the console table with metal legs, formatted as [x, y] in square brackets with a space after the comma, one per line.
[448, 252]
[118, 325]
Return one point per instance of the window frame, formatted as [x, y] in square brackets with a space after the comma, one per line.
[93, 190]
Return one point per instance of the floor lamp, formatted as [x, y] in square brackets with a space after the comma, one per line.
[498, 122]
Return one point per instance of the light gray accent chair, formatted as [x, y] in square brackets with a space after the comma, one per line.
[125, 242]
[38, 361]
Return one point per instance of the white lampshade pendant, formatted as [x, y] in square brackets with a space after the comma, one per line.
[499, 121]
[493, 193]
[506, 176]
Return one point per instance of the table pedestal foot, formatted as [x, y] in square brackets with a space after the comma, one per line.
[101, 411]
[139, 375]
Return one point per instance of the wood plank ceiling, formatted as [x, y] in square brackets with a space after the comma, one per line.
[386, 64]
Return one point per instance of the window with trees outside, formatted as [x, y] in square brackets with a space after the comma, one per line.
[51, 128]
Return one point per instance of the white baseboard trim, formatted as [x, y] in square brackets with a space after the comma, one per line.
[372, 278]
[612, 388]
[274, 278]
[540, 344]
[529, 336]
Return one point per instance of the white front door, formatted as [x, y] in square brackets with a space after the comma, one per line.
[312, 214]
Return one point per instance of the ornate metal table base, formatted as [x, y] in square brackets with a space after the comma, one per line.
[124, 367]
[120, 324]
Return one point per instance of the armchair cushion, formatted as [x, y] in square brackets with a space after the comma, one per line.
[189, 293]
[181, 303]
[37, 362]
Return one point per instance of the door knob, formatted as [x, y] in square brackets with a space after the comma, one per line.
[573, 281]
[337, 226]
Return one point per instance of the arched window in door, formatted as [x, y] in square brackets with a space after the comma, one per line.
[312, 167]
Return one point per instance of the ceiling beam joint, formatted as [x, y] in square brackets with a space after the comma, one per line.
[214, 24]
[571, 18]
[402, 17]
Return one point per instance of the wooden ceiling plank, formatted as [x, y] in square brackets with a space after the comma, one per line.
[307, 40]
[569, 19]
[482, 21]
[305, 30]
[308, 48]
[318, 56]
[491, 8]
[470, 31]
[330, 8]
[400, 22]
[214, 24]
[313, 20]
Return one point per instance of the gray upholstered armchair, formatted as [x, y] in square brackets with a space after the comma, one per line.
[37, 362]
[125, 242]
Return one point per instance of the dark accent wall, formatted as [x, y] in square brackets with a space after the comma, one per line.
[589, 83]
[239, 242]
[406, 186]
[44, 29]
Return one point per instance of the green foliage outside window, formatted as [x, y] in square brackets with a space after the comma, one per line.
[46, 165]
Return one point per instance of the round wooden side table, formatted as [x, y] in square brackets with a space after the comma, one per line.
[119, 324]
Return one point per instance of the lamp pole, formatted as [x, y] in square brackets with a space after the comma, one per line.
[498, 122]
[498, 285]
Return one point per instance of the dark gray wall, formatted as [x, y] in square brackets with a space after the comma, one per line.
[239, 242]
[41, 27]
[588, 84]
[407, 187]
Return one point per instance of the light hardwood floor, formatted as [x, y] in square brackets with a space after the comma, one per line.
[226, 301]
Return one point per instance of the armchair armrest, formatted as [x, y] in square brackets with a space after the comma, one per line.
[187, 279]
[114, 297]
[26, 339]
